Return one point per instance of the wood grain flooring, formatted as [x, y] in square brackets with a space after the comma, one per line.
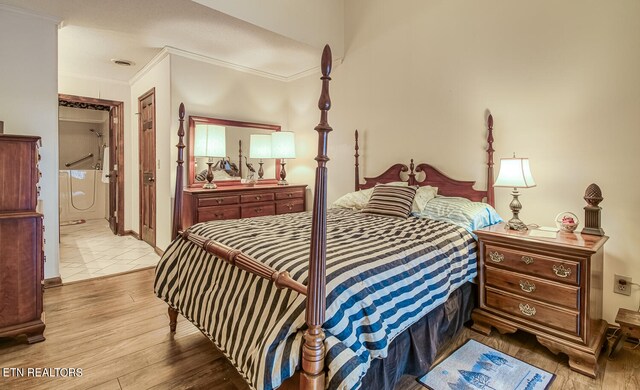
[117, 331]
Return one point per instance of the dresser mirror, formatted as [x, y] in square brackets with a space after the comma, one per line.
[238, 162]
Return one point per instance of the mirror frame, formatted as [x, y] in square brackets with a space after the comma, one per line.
[194, 120]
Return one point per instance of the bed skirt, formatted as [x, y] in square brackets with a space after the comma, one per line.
[413, 351]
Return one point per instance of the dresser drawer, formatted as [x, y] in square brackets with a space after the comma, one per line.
[262, 197]
[218, 201]
[299, 193]
[561, 270]
[258, 210]
[217, 213]
[533, 288]
[540, 313]
[289, 206]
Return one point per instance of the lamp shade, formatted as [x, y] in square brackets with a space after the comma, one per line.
[283, 144]
[514, 172]
[209, 141]
[260, 146]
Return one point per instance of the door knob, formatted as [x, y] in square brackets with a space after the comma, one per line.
[151, 179]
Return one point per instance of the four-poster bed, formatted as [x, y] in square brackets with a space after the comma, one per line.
[227, 288]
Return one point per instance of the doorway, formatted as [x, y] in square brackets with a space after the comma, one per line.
[147, 131]
[93, 239]
[108, 157]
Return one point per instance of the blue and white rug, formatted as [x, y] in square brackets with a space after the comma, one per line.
[477, 366]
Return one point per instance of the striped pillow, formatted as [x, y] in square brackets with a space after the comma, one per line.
[390, 200]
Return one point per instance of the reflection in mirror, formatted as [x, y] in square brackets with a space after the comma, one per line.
[241, 160]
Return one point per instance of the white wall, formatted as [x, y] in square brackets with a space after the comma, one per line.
[561, 79]
[158, 77]
[29, 104]
[100, 88]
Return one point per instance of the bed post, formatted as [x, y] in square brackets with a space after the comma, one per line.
[357, 164]
[313, 352]
[177, 202]
[490, 193]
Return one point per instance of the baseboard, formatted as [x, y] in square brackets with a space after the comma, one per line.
[159, 251]
[132, 233]
[52, 282]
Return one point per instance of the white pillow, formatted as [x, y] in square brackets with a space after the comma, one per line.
[423, 195]
[354, 200]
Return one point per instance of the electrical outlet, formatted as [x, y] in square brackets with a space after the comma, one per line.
[622, 285]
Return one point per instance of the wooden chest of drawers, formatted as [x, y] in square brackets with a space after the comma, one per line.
[234, 202]
[21, 242]
[550, 287]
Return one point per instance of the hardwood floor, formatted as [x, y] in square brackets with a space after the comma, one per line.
[117, 331]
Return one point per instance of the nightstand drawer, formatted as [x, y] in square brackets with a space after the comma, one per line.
[542, 266]
[543, 314]
[218, 201]
[218, 213]
[533, 288]
[258, 210]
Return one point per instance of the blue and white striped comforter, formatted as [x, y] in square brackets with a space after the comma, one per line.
[383, 274]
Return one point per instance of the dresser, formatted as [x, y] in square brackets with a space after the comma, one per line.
[550, 287]
[234, 202]
[21, 239]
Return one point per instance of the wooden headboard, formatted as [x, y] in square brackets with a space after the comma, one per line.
[433, 177]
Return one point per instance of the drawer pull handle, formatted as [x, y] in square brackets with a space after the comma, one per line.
[289, 195]
[527, 259]
[258, 210]
[561, 271]
[290, 206]
[258, 197]
[527, 286]
[218, 201]
[528, 310]
[496, 257]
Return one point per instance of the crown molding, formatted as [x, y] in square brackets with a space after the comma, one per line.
[40, 15]
[214, 61]
[149, 65]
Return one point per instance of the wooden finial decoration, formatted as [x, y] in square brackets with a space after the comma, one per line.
[356, 155]
[490, 150]
[592, 217]
[412, 175]
[177, 210]
[313, 351]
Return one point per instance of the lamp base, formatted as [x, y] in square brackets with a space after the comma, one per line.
[516, 224]
[209, 186]
[283, 174]
[283, 183]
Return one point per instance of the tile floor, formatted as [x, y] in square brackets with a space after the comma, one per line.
[90, 250]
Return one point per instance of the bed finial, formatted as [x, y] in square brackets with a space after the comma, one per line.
[412, 175]
[177, 204]
[490, 150]
[313, 351]
[356, 155]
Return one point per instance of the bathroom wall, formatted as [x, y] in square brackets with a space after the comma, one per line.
[75, 138]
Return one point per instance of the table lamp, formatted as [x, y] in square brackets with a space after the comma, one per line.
[283, 147]
[515, 173]
[209, 142]
[260, 147]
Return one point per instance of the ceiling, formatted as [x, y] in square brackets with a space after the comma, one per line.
[95, 31]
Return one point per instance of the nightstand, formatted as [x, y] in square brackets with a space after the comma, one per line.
[550, 287]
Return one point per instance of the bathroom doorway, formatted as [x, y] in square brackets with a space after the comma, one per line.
[104, 119]
[93, 242]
